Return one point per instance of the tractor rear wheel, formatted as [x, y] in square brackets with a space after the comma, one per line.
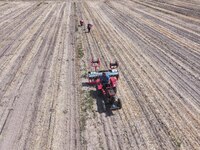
[98, 91]
[115, 89]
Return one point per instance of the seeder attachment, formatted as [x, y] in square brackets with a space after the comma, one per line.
[95, 63]
[94, 75]
[114, 65]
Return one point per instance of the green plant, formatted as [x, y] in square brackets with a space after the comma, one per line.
[80, 53]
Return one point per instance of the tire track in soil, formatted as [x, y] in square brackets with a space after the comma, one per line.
[8, 57]
[73, 136]
[46, 114]
[36, 93]
[12, 47]
[12, 9]
[19, 68]
[19, 31]
[37, 34]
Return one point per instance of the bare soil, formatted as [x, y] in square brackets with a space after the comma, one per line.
[45, 102]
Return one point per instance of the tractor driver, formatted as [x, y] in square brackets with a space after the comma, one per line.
[105, 78]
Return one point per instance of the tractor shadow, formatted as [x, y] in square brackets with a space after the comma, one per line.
[85, 84]
[99, 102]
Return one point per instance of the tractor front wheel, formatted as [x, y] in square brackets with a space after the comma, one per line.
[115, 89]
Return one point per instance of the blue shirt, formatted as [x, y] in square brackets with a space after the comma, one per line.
[105, 79]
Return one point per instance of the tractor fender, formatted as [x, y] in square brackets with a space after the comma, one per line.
[113, 81]
[99, 86]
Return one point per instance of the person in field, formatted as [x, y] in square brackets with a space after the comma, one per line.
[89, 27]
[81, 22]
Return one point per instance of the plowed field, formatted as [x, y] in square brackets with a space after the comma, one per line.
[45, 55]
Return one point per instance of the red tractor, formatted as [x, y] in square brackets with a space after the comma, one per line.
[106, 89]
